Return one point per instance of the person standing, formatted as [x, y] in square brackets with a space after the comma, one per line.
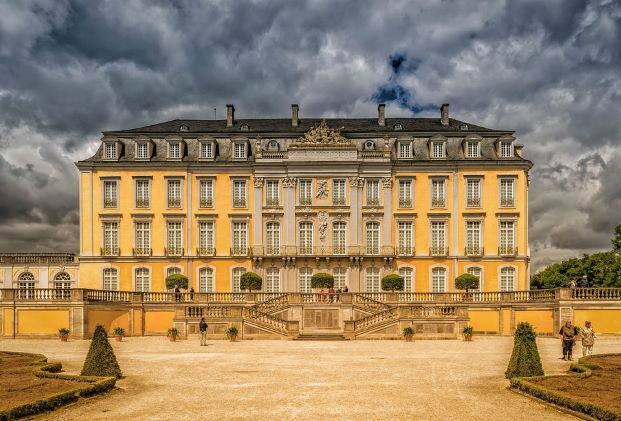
[191, 293]
[568, 338]
[202, 327]
[177, 294]
[587, 334]
[331, 294]
[572, 284]
[345, 289]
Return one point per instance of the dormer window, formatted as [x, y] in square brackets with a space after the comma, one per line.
[110, 150]
[272, 146]
[244, 127]
[473, 150]
[369, 145]
[506, 149]
[183, 128]
[206, 150]
[398, 126]
[463, 126]
[438, 149]
[174, 150]
[142, 150]
[405, 150]
[239, 150]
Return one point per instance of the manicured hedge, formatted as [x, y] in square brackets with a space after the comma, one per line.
[250, 281]
[525, 360]
[49, 403]
[392, 282]
[322, 280]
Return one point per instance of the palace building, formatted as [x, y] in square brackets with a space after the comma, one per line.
[429, 198]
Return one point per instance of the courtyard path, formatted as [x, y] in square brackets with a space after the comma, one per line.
[261, 380]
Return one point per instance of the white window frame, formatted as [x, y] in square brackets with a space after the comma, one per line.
[473, 237]
[206, 279]
[505, 153]
[435, 279]
[438, 237]
[502, 278]
[506, 237]
[304, 280]
[473, 149]
[174, 237]
[272, 279]
[236, 149]
[110, 194]
[405, 238]
[111, 231]
[272, 193]
[305, 237]
[175, 150]
[205, 193]
[339, 237]
[142, 238]
[438, 197]
[142, 202]
[139, 147]
[372, 237]
[239, 238]
[206, 146]
[339, 192]
[108, 281]
[236, 273]
[206, 238]
[111, 150]
[240, 193]
[172, 194]
[470, 269]
[340, 277]
[411, 285]
[372, 277]
[372, 192]
[405, 150]
[305, 192]
[406, 197]
[474, 196]
[438, 149]
[272, 238]
[142, 277]
[506, 200]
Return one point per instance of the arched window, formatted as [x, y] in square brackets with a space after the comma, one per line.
[305, 280]
[369, 145]
[143, 279]
[26, 280]
[244, 127]
[373, 279]
[272, 280]
[110, 279]
[62, 280]
[272, 238]
[340, 277]
[438, 279]
[183, 128]
[372, 237]
[173, 270]
[507, 279]
[408, 279]
[272, 146]
[339, 233]
[237, 273]
[398, 126]
[476, 271]
[205, 280]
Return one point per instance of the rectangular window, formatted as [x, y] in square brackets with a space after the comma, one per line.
[175, 239]
[306, 238]
[143, 196]
[476, 271]
[143, 239]
[174, 193]
[272, 279]
[142, 150]
[206, 193]
[472, 150]
[110, 280]
[338, 192]
[239, 194]
[372, 237]
[507, 238]
[271, 193]
[205, 280]
[143, 280]
[438, 193]
[507, 279]
[174, 150]
[438, 280]
[305, 280]
[206, 238]
[373, 280]
[110, 151]
[111, 238]
[506, 149]
[306, 192]
[237, 273]
[373, 194]
[473, 238]
[206, 150]
[239, 150]
[272, 238]
[473, 192]
[340, 278]
[110, 194]
[405, 193]
[438, 239]
[405, 150]
[507, 195]
[438, 149]
[408, 279]
[339, 233]
[240, 239]
[405, 244]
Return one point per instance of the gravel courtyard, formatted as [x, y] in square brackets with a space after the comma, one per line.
[431, 380]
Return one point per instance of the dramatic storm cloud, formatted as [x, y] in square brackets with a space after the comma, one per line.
[549, 70]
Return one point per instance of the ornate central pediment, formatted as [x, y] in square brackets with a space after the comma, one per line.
[323, 136]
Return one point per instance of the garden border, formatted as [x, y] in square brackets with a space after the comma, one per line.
[52, 402]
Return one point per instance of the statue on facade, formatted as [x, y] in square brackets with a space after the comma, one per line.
[322, 189]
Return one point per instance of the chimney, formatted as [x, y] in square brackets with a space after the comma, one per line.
[230, 115]
[444, 115]
[294, 115]
[381, 120]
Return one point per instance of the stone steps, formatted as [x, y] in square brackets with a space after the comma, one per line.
[321, 337]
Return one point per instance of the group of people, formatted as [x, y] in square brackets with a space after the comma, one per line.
[331, 295]
[570, 333]
[178, 294]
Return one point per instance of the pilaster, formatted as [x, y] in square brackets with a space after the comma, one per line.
[257, 212]
[387, 237]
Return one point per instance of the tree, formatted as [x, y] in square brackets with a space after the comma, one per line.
[250, 281]
[525, 360]
[176, 280]
[600, 270]
[392, 282]
[100, 360]
[322, 280]
[616, 240]
[467, 281]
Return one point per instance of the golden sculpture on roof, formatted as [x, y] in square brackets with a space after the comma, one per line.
[321, 134]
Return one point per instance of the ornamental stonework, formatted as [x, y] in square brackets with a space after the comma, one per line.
[258, 182]
[289, 182]
[387, 182]
[356, 182]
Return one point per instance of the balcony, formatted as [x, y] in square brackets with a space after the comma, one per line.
[142, 251]
[373, 201]
[273, 155]
[173, 251]
[306, 201]
[474, 202]
[239, 251]
[239, 203]
[110, 251]
[507, 202]
[474, 251]
[206, 203]
[110, 203]
[438, 251]
[206, 251]
[438, 202]
[338, 201]
[272, 201]
[143, 203]
[507, 251]
[43, 258]
[405, 203]
[405, 251]
[174, 203]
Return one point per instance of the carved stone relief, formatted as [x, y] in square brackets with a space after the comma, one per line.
[323, 224]
[322, 189]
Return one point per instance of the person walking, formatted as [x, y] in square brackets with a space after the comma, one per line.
[568, 338]
[587, 334]
[202, 327]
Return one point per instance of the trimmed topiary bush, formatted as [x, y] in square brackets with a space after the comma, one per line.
[392, 282]
[525, 360]
[100, 360]
[467, 281]
[176, 280]
[322, 280]
[250, 281]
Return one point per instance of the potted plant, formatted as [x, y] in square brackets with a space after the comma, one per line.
[467, 281]
[118, 333]
[250, 281]
[393, 282]
[173, 332]
[232, 333]
[467, 332]
[63, 332]
[408, 333]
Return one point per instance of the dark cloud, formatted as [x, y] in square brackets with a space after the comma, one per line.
[549, 70]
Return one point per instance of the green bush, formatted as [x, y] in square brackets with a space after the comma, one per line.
[63, 331]
[173, 331]
[232, 332]
[467, 281]
[250, 281]
[100, 360]
[176, 280]
[322, 280]
[409, 331]
[392, 282]
[119, 331]
[467, 330]
[525, 360]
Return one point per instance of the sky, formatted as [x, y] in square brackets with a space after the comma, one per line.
[548, 70]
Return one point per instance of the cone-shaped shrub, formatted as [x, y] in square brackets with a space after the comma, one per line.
[525, 360]
[100, 360]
